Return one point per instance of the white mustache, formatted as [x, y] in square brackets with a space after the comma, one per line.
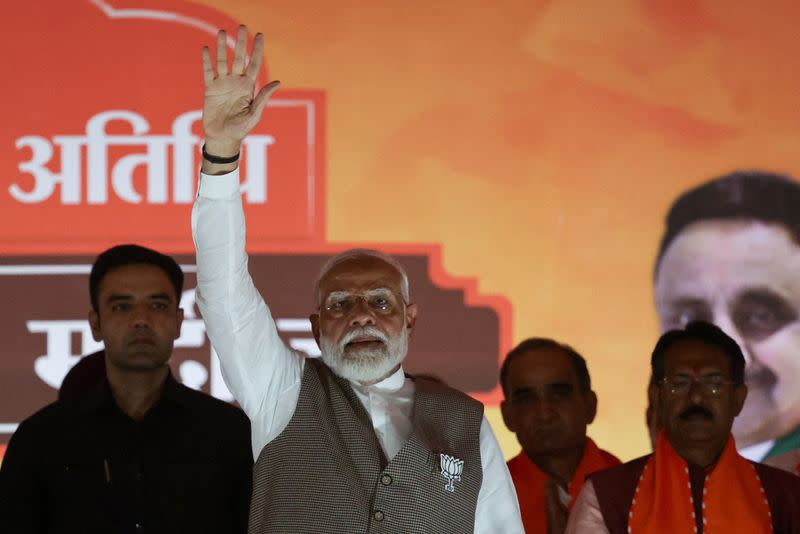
[363, 331]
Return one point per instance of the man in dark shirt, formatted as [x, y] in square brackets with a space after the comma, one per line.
[135, 451]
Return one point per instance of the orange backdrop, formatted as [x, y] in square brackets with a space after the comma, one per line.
[541, 144]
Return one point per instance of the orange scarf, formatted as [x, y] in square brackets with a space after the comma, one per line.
[733, 499]
[530, 481]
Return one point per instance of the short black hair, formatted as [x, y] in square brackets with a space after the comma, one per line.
[122, 255]
[703, 332]
[535, 343]
[744, 194]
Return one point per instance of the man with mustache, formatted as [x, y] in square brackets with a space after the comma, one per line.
[695, 480]
[730, 255]
[346, 443]
[127, 449]
[548, 404]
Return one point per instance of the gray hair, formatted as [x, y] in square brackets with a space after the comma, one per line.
[358, 253]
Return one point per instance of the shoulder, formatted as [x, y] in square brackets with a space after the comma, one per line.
[609, 458]
[629, 471]
[517, 460]
[445, 394]
[614, 490]
[778, 480]
[782, 490]
[45, 426]
[209, 407]
[50, 416]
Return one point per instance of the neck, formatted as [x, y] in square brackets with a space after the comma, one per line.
[560, 465]
[700, 457]
[135, 391]
[384, 377]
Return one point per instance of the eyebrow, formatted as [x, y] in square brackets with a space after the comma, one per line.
[703, 373]
[546, 387]
[371, 292]
[764, 295]
[687, 302]
[123, 297]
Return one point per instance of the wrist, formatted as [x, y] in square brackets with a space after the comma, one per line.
[222, 148]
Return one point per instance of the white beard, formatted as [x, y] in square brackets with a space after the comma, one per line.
[365, 365]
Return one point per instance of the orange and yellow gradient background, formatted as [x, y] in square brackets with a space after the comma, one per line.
[541, 143]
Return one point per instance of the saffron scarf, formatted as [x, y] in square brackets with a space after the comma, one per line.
[733, 498]
[530, 481]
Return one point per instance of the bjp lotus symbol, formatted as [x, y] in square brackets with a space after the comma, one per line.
[451, 470]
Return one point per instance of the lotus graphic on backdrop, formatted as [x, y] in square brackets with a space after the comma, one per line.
[451, 470]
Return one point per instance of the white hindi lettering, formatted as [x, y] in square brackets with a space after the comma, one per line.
[154, 160]
[53, 366]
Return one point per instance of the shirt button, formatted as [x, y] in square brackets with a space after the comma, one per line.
[386, 480]
[378, 515]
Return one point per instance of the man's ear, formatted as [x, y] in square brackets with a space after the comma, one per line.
[180, 322]
[94, 323]
[591, 407]
[411, 315]
[652, 397]
[508, 415]
[739, 396]
[314, 318]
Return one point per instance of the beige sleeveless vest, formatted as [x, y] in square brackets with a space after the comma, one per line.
[326, 472]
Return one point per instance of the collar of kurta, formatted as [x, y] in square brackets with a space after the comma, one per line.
[390, 384]
[529, 481]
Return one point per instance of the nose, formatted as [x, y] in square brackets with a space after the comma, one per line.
[543, 410]
[140, 317]
[723, 320]
[696, 394]
[362, 314]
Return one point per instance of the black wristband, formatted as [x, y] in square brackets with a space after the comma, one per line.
[218, 159]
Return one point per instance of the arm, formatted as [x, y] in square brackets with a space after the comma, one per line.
[262, 373]
[21, 494]
[586, 516]
[497, 509]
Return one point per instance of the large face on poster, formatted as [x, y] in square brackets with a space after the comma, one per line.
[101, 147]
[731, 256]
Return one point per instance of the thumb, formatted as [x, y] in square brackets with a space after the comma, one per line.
[262, 98]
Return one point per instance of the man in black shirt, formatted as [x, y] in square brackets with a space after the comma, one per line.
[134, 451]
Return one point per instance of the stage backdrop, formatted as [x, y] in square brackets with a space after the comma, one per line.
[519, 157]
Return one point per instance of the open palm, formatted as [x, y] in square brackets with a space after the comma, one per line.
[231, 107]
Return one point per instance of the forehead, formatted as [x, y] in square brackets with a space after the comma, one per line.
[690, 355]
[713, 260]
[539, 367]
[136, 279]
[360, 273]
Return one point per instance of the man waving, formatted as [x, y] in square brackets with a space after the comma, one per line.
[349, 442]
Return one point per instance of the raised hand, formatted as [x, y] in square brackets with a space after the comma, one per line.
[231, 107]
